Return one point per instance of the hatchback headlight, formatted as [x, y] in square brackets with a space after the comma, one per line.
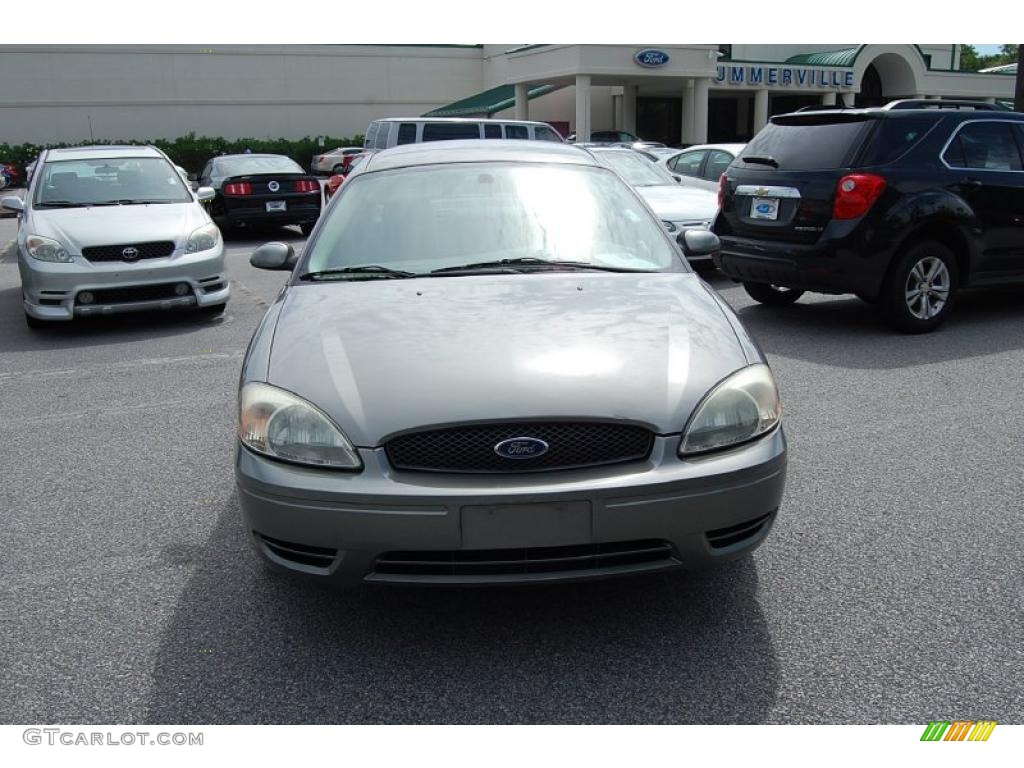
[283, 426]
[203, 239]
[45, 249]
[740, 408]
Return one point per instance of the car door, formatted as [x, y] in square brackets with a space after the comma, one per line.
[984, 157]
[718, 160]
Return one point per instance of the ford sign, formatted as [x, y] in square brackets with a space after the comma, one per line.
[650, 57]
[521, 448]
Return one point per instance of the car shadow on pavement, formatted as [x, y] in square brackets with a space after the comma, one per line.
[847, 332]
[257, 235]
[16, 336]
[247, 645]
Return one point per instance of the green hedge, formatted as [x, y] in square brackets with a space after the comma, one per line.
[191, 152]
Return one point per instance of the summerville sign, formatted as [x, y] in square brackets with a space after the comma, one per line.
[781, 76]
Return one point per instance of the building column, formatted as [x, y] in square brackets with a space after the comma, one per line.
[522, 101]
[760, 109]
[700, 110]
[828, 99]
[848, 99]
[629, 108]
[582, 108]
[617, 118]
[686, 132]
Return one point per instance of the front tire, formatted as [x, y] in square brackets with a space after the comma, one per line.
[921, 289]
[772, 295]
[213, 310]
[35, 323]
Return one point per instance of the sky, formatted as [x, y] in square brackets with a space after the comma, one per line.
[986, 50]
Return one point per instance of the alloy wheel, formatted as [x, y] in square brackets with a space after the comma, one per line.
[927, 288]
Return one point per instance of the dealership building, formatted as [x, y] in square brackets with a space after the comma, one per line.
[678, 94]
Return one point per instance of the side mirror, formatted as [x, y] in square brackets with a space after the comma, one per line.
[679, 179]
[12, 203]
[274, 256]
[205, 193]
[700, 242]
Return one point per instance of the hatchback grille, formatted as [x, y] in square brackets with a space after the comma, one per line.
[495, 562]
[157, 250]
[472, 449]
[304, 554]
[135, 293]
[721, 538]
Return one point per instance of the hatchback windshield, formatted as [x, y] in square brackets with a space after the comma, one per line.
[112, 181]
[441, 217]
[634, 168]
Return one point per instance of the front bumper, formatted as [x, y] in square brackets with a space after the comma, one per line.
[50, 290]
[349, 528]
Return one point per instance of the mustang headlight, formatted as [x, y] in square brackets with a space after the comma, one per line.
[45, 249]
[740, 408]
[283, 426]
[203, 239]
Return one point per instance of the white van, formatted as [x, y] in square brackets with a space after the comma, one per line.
[392, 131]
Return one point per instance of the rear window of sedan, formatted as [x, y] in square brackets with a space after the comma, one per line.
[243, 166]
[441, 216]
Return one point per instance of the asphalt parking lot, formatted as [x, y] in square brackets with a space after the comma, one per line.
[889, 592]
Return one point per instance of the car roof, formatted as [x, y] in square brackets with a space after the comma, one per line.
[495, 121]
[734, 149]
[475, 151]
[250, 155]
[102, 152]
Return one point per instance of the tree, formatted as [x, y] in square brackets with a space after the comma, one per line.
[970, 61]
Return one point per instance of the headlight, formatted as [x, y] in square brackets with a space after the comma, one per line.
[45, 249]
[742, 407]
[203, 239]
[279, 424]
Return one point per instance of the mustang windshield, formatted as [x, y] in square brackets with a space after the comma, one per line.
[112, 181]
[444, 216]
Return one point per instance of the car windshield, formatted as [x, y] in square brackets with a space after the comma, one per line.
[110, 181]
[444, 216]
[634, 168]
[253, 164]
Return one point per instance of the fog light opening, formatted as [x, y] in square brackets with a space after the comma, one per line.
[182, 289]
[85, 297]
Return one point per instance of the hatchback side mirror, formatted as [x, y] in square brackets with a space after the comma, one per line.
[679, 179]
[274, 256]
[12, 203]
[700, 242]
[205, 193]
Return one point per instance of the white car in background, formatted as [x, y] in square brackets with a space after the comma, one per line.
[333, 162]
[702, 164]
[113, 229]
[679, 207]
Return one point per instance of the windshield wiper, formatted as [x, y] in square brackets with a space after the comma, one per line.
[370, 271]
[60, 204]
[517, 265]
[761, 160]
[129, 201]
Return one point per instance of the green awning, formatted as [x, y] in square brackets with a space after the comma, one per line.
[488, 102]
[841, 58]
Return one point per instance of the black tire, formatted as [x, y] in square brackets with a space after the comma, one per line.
[921, 288]
[35, 323]
[773, 296]
[213, 310]
[307, 228]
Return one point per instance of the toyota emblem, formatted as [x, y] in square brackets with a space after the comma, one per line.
[273, 186]
[130, 254]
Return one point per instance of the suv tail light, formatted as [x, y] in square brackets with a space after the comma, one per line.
[307, 185]
[855, 194]
[722, 181]
[238, 188]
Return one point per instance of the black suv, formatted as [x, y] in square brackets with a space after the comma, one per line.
[903, 205]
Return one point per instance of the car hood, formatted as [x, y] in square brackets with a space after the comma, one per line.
[678, 203]
[77, 228]
[386, 356]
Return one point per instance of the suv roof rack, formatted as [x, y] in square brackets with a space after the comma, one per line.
[823, 107]
[942, 104]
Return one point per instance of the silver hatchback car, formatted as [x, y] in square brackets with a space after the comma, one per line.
[493, 365]
[111, 229]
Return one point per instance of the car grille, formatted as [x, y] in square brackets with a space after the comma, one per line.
[580, 558]
[135, 293]
[571, 445]
[722, 538]
[158, 250]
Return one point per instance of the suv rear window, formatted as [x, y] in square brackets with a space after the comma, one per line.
[807, 144]
[448, 131]
[894, 137]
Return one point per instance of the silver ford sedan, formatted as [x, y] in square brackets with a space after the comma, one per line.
[492, 364]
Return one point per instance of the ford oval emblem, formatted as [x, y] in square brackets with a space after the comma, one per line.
[521, 448]
[650, 57]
